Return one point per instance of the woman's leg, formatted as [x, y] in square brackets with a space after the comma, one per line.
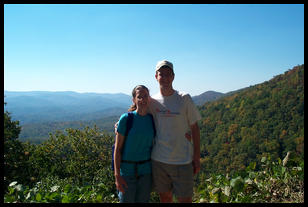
[144, 188]
[129, 194]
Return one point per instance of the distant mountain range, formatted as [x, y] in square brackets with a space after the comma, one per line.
[44, 106]
[44, 112]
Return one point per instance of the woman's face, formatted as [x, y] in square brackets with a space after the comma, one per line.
[142, 98]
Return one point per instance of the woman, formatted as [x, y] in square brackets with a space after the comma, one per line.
[132, 154]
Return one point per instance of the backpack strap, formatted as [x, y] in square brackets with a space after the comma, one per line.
[153, 124]
[129, 122]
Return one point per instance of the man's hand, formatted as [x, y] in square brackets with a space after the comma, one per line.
[116, 127]
[196, 165]
[188, 136]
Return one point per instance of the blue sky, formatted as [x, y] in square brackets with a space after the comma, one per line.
[112, 48]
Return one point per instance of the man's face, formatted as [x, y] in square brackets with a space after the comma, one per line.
[165, 77]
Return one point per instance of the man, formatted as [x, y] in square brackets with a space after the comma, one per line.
[175, 159]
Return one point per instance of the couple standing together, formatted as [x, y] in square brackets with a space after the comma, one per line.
[163, 155]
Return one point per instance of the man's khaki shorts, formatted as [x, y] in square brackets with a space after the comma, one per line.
[176, 178]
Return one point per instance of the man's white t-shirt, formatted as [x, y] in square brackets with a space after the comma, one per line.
[173, 116]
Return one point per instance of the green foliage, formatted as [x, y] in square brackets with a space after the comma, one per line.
[79, 154]
[14, 156]
[275, 183]
[62, 192]
[11, 128]
[63, 163]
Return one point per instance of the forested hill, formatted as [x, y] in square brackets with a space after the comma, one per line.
[263, 120]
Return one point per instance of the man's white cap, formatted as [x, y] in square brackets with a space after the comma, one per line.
[163, 63]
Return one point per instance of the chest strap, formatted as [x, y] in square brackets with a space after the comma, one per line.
[136, 162]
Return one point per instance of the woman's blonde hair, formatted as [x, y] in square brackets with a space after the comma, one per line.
[133, 107]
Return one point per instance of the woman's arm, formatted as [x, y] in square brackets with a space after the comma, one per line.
[120, 182]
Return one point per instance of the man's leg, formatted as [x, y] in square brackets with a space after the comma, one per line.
[183, 183]
[162, 182]
[166, 197]
[185, 199]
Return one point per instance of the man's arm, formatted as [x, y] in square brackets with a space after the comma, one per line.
[150, 104]
[195, 132]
